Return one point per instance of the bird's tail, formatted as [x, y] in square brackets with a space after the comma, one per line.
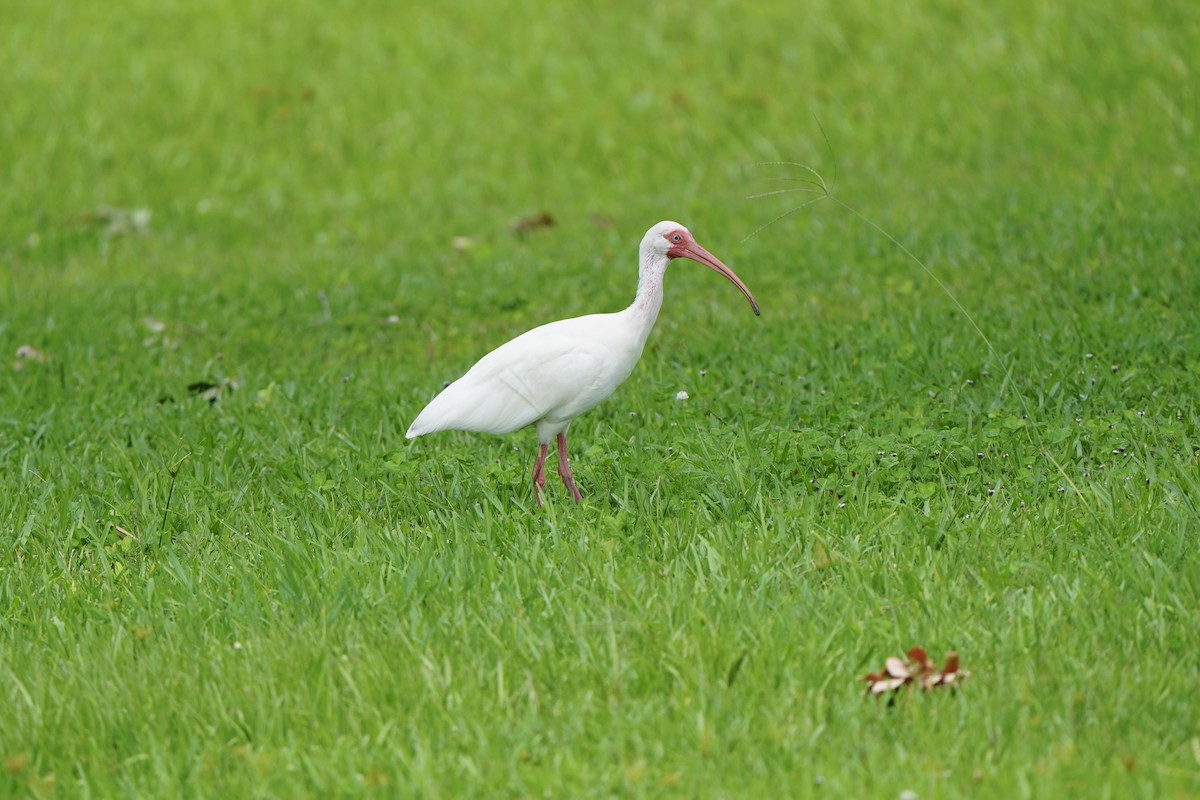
[433, 417]
[418, 428]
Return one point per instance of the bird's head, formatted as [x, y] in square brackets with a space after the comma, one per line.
[670, 240]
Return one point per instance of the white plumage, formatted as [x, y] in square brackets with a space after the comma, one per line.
[550, 375]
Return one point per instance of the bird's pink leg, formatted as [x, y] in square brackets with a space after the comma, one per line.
[539, 474]
[564, 469]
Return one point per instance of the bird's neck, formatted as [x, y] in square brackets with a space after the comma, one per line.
[649, 298]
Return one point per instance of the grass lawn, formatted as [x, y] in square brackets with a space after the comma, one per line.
[243, 243]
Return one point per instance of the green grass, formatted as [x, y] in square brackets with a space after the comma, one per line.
[276, 595]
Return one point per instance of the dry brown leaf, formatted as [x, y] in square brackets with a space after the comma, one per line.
[533, 222]
[31, 353]
[212, 392]
[918, 671]
[114, 221]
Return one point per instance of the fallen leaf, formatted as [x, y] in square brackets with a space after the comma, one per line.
[212, 391]
[28, 352]
[918, 671]
[115, 221]
[124, 533]
[531, 223]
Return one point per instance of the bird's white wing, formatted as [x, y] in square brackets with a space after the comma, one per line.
[558, 370]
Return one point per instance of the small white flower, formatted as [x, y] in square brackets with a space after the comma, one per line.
[681, 396]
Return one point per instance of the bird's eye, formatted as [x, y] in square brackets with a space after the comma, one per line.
[677, 238]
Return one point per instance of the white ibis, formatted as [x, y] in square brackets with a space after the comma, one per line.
[550, 375]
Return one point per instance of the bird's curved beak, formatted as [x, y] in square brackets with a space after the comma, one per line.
[701, 256]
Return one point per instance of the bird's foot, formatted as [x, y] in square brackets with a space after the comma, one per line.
[564, 472]
[539, 475]
[564, 468]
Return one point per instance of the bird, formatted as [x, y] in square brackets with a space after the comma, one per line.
[550, 375]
